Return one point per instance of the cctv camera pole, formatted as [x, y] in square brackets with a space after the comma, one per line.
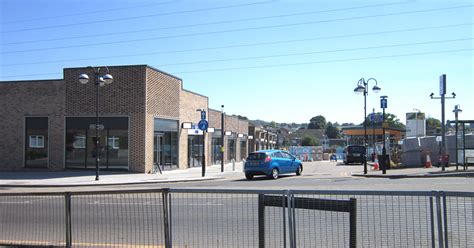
[442, 93]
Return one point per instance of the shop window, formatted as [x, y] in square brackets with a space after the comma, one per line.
[79, 142]
[36, 141]
[113, 142]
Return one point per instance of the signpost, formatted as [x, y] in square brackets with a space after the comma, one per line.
[384, 160]
[203, 125]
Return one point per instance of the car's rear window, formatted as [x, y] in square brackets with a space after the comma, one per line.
[356, 149]
[256, 156]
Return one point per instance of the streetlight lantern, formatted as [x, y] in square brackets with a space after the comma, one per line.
[99, 80]
[362, 85]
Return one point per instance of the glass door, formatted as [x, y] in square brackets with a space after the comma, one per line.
[195, 150]
[158, 149]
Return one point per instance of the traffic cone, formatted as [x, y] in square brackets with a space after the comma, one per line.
[376, 163]
[428, 163]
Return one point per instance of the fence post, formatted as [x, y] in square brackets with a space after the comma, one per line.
[433, 240]
[291, 219]
[67, 201]
[445, 213]
[166, 225]
[353, 223]
[440, 220]
[261, 221]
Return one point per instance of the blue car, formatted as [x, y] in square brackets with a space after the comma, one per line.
[271, 163]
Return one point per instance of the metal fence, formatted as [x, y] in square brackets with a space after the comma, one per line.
[238, 218]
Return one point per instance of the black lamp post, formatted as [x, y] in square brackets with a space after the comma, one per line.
[362, 85]
[222, 137]
[99, 80]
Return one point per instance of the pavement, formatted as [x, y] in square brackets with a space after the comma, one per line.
[418, 172]
[70, 178]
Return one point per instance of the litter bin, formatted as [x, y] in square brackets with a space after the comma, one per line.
[444, 159]
[384, 161]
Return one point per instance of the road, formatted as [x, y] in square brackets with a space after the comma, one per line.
[231, 220]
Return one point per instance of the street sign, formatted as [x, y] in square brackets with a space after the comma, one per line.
[385, 124]
[383, 103]
[203, 115]
[203, 125]
[99, 126]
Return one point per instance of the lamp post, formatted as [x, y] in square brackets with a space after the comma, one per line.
[442, 93]
[456, 110]
[362, 86]
[222, 137]
[99, 80]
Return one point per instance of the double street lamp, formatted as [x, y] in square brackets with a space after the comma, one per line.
[362, 87]
[99, 80]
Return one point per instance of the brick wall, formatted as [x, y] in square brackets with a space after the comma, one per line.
[31, 98]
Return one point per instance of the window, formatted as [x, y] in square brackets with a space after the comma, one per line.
[79, 141]
[36, 141]
[113, 142]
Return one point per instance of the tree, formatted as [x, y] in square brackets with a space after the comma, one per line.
[391, 119]
[332, 131]
[317, 122]
[309, 141]
[273, 124]
[433, 126]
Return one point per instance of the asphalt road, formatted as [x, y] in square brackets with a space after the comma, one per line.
[231, 220]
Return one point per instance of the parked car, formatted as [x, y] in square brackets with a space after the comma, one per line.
[354, 154]
[271, 163]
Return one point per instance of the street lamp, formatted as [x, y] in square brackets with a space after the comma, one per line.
[222, 137]
[99, 80]
[362, 87]
[456, 110]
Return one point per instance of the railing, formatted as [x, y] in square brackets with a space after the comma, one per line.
[237, 218]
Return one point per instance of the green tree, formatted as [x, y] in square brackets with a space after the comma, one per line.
[309, 141]
[332, 131]
[317, 122]
[433, 126]
[273, 124]
[391, 119]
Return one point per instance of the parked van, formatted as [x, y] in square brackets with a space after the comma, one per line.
[354, 154]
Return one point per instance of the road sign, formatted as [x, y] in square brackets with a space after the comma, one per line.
[385, 124]
[203, 125]
[203, 115]
[383, 103]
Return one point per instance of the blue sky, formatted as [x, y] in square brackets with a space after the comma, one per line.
[281, 60]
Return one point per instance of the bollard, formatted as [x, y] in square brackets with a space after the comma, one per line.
[233, 164]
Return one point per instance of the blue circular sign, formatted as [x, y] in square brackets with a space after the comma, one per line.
[203, 125]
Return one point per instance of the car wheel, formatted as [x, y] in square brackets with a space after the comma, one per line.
[275, 173]
[299, 170]
[248, 176]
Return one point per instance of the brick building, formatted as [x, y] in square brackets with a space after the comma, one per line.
[46, 123]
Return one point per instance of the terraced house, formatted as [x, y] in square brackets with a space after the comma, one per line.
[50, 124]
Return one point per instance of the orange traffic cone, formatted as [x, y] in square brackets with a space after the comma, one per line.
[428, 163]
[376, 163]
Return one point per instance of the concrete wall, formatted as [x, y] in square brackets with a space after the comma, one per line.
[21, 99]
